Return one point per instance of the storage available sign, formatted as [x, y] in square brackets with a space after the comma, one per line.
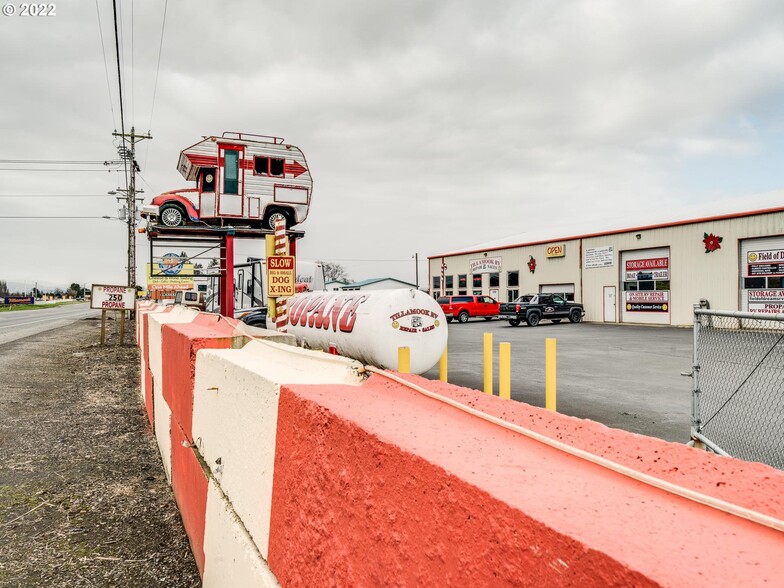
[656, 268]
[767, 301]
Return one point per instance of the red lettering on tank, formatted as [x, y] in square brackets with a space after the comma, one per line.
[296, 307]
[349, 315]
[316, 319]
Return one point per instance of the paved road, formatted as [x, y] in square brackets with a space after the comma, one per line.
[627, 377]
[25, 323]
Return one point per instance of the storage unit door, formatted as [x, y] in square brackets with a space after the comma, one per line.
[566, 291]
[645, 286]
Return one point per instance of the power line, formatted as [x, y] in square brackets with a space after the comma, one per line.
[155, 86]
[107, 196]
[54, 169]
[62, 217]
[62, 161]
[105, 65]
[119, 82]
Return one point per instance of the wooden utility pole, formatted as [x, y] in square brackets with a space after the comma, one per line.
[130, 194]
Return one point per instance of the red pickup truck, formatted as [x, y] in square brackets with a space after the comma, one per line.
[464, 307]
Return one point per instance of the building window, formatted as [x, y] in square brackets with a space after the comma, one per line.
[477, 280]
[512, 295]
[461, 281]
[268, 166]
[436, 283]
[512, 279]
[448, 282]
[494, 281]
[231, 172]
[477, 292]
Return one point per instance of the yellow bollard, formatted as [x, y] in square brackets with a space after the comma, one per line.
[505, 370]
[549, 374]
[443, 365]
[488, 363]
[404, 360]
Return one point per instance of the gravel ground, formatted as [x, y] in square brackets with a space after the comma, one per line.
[83, 497]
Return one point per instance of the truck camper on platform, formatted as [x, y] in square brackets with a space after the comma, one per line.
[241, 179]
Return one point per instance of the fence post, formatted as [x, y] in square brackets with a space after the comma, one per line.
[695, 380]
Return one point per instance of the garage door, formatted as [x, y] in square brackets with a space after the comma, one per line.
[762, 275]
[645, 280]
[566, 291]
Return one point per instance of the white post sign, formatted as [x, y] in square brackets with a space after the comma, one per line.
[112, 297]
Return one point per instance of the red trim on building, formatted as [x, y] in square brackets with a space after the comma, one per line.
[617, 231]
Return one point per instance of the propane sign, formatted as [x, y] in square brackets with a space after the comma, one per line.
[112, 297]
[281, 276]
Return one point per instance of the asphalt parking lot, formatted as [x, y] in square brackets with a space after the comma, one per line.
[624, 376]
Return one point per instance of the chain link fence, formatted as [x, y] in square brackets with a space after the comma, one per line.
[738, 385]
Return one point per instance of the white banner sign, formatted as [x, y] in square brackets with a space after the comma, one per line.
[598, 257]
[486, 265]
[112, 297]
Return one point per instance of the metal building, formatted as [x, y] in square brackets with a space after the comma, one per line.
[651, 274]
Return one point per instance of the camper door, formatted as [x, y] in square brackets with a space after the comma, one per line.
[231, 180]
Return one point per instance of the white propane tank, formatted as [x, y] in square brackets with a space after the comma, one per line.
[371, 325]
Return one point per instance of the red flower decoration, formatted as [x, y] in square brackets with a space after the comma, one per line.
[531, 263]
[712, 242]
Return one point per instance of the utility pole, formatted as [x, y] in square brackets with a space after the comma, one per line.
[416, 269]
[130, 194]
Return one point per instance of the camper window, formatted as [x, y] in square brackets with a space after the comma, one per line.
[267, 166]
[231, 172]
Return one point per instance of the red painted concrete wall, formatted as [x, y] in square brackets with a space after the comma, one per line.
[181, 342]
[385, 486]
[148, 403]
[189, 483]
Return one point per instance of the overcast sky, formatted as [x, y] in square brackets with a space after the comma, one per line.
[428, 126]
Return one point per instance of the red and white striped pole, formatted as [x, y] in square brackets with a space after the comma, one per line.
[281, 248]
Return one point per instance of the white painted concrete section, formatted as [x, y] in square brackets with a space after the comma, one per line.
[235, 415]
[178, 314]
[162, 418]
[293, 365]
[230, 558]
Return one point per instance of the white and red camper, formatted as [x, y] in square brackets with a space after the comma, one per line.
[241, 179]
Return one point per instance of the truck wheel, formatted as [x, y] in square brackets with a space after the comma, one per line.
[575, 316]
[514, 322]
[532, 319]
[171, 215]
[463, 316]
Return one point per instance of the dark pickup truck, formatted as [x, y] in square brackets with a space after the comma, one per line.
[532, 308]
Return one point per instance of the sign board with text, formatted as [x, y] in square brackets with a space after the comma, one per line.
[112, 297]
[281, 276]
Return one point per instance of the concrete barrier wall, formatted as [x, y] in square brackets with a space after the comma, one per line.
[292, 466]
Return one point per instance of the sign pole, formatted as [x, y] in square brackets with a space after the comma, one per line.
[281, 248]
[103, 327]
[122, 326]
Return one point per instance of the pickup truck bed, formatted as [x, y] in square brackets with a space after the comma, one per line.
[533, 308]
